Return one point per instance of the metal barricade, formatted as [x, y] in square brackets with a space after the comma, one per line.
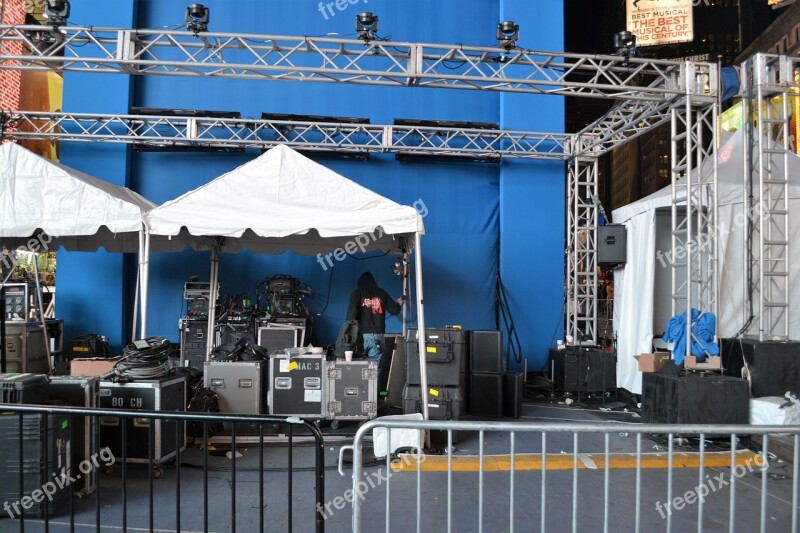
[528, 488]
[172, 500]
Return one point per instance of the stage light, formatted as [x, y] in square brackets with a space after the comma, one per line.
[367, 26]
[507, 34]
[197, 18]
[57, 12]
[400, 266]
[625, 44]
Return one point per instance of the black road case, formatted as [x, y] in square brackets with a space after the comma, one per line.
[298, 385]
[444, 403]
[52, 475]
[24, 388]
[352, 389]
[79, 391]
[165, 394]
[446, 357]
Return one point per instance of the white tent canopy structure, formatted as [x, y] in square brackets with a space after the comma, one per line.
[278, 202]
[634, 283]
[66, 207]
[45, 205]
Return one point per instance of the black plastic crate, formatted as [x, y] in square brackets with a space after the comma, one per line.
[24, 388]
[52, 475]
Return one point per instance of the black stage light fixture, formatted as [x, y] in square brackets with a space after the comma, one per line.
[367, 26]
[507, 34]
[625, 44]
[197, 18]
[57, 12]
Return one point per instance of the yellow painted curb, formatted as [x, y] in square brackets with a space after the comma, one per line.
[559, 461]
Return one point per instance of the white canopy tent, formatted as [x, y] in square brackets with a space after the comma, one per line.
[278, 202]
[45, 205]
[634, 283]
[66, 207]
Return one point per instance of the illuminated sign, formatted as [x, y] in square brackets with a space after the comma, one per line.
[655, 22]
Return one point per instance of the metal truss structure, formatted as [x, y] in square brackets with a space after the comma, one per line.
[650, 93]
[695, 246]
[335, 60]
[582, 250]
[197, 132]
[769, 82]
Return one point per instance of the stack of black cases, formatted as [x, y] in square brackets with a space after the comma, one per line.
[446, 363]
[352, 389]
[239, 385]
[45, 462]
[298, 385]
[486, 373]
[165, 394]
[79, 391]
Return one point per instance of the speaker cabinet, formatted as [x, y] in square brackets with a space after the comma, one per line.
[486, 351]
[584, 369]
[611, 243]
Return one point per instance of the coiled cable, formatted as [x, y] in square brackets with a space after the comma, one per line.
[144, 363]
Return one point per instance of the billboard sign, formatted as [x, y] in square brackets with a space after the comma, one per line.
[656, 22]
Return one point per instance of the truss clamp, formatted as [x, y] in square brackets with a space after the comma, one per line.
[127, 47]
[414, 67]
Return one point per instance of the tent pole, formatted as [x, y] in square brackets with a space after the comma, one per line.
[145, 282]
[212, 299]
[136, 309]
[136, 303]
[405, 304]
[41, 312]
[423, 367]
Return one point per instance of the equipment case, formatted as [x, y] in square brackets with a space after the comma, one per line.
[80, 391]
[486, 395]
[165, 394]
[298, 385]
[444, 403]
[352, 390]
[446, 357]
[24, 388]
[239, 385]
[35, 471]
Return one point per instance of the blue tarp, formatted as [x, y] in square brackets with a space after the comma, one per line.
[703, 330]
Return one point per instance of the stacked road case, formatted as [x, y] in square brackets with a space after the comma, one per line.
[80, 391]
[165, 394]
[352, 390]
[298, 385]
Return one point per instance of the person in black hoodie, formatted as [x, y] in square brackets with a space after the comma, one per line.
[368, 304]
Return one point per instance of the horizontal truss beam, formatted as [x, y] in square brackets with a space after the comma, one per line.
[335, 60]
[192, 132]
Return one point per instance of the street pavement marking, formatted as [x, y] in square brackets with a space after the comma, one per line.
[565, 461]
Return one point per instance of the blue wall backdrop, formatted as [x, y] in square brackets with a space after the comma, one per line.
[479, 218]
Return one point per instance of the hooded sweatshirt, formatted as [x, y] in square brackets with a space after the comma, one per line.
[369, 303]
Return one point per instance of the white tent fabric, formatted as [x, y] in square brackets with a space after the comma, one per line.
[281, 201]
[633, 284]
[75, 210]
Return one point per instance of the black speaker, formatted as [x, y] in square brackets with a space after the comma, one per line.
[774, 366]
[486, 351]
[584, 369]
[486, 395]
[611, 245]
[512, 395]
[694, 399]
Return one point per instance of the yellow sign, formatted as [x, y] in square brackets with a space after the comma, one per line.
[655, 22]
